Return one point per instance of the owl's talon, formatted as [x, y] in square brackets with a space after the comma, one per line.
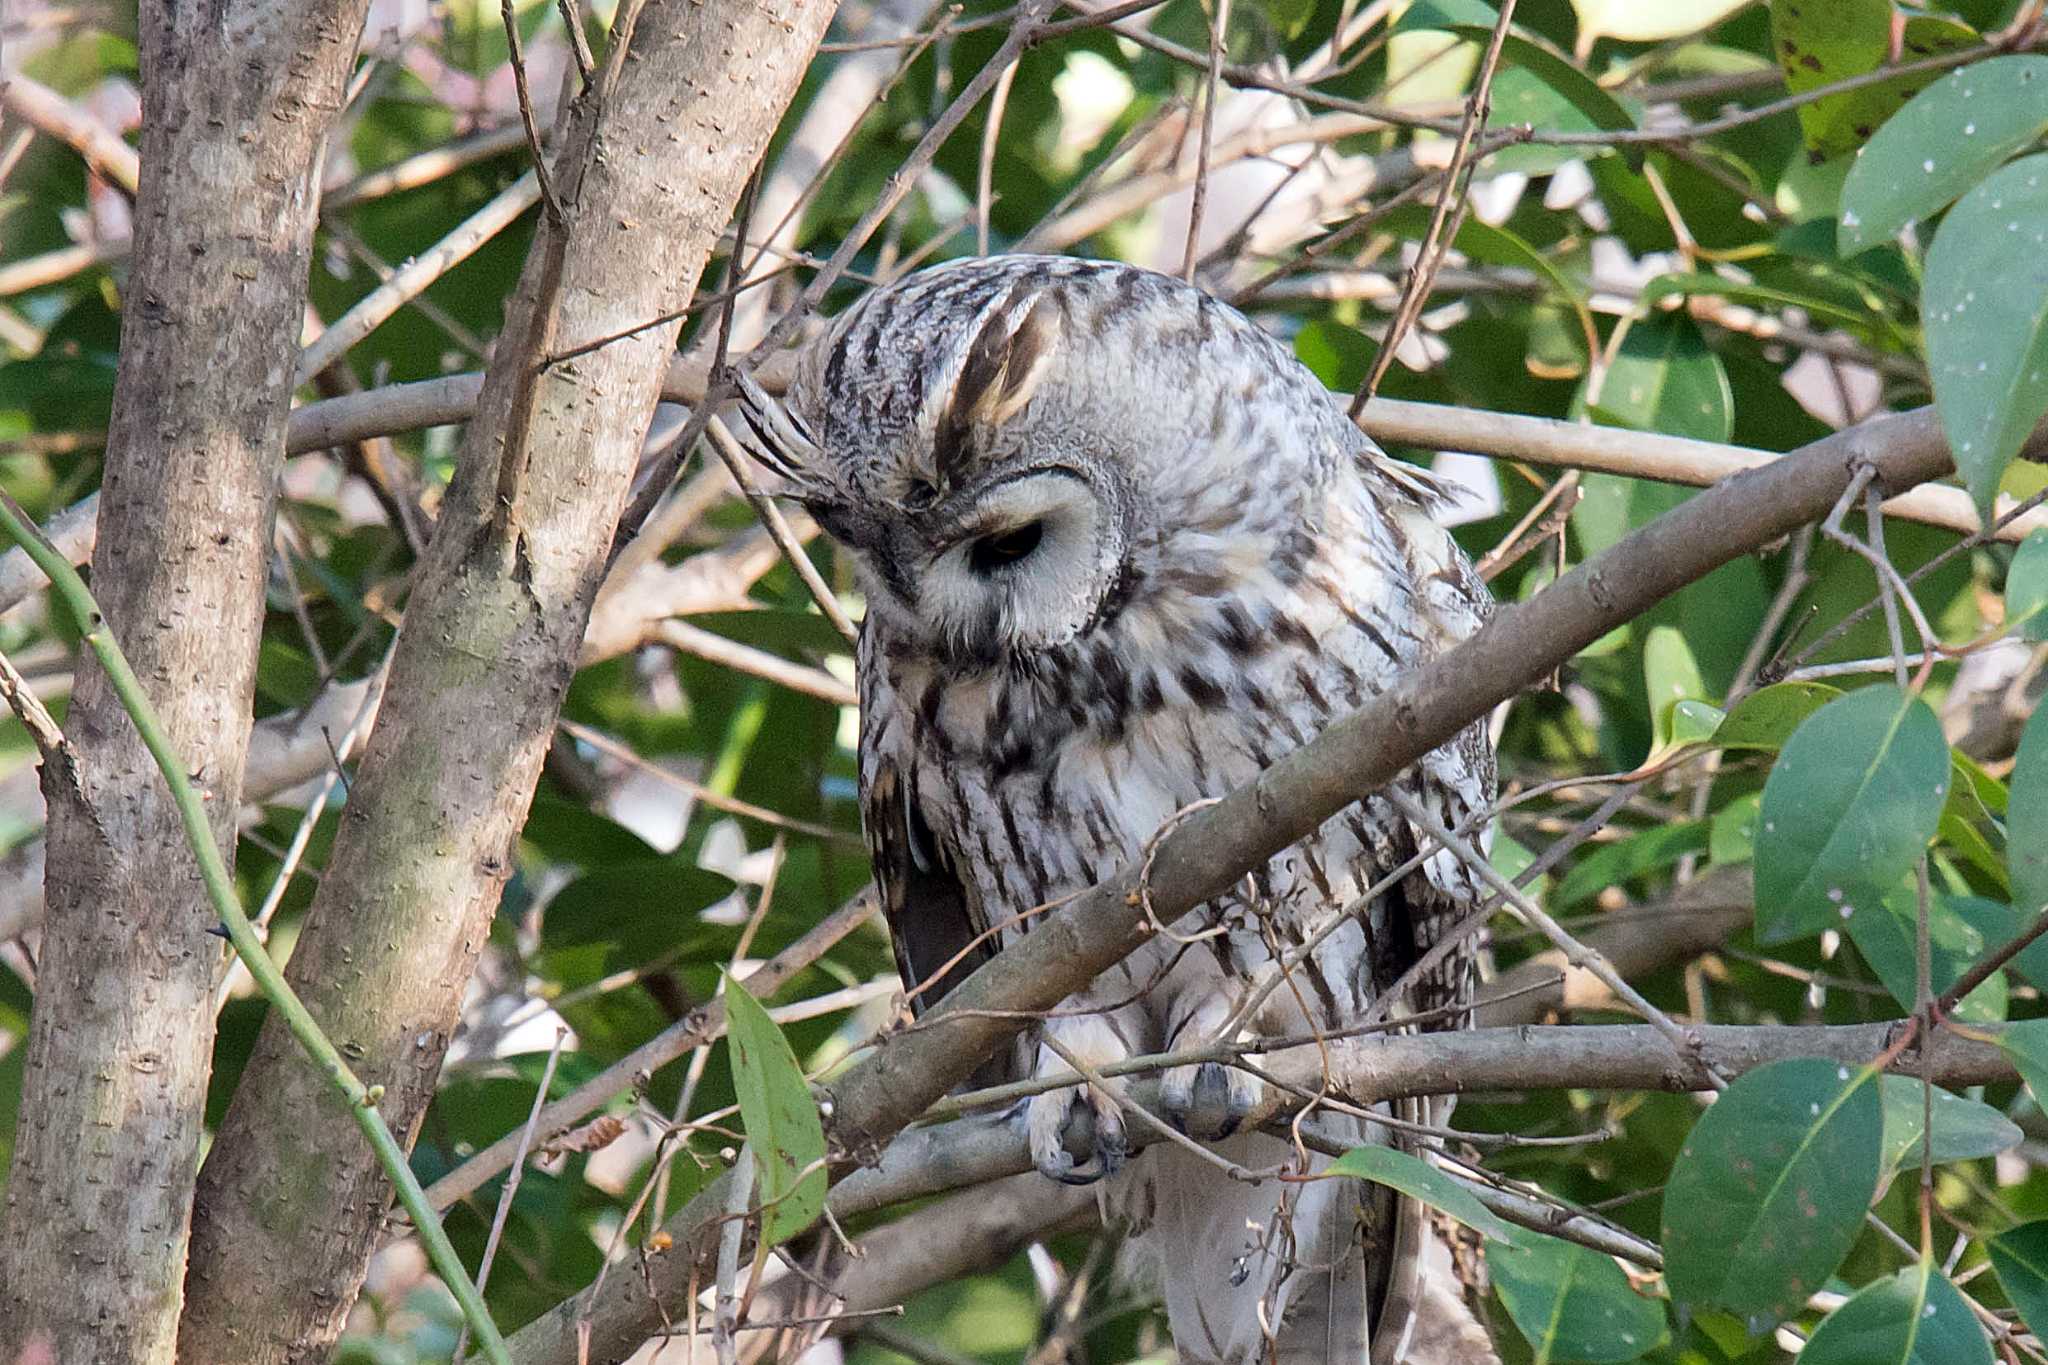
[1208, 1101]
[1059, 1122]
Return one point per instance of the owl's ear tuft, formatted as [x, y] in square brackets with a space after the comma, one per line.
[1009, 357]
[779, 440]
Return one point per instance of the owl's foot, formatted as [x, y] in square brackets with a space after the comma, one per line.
[1207, 1101]
[1060, 1121]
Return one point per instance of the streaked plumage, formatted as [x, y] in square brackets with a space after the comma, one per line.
[1121, 552]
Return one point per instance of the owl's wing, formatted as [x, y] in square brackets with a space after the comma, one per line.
[938, 935]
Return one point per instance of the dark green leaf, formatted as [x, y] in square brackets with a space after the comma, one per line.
[1665, 378]
[1849, 807]
[1915, 1317]
[1886, 932]
[1572, 1303]
[1985, 306]
[781, 1118]
[2020, 1256]
[1770, 1189]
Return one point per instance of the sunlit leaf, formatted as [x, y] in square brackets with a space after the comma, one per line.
[1849, 807]
[1570, 1302]
[1770, 1189]
[1822, 44]
[1631, 21]
[781, 1118]
[1946, 139]
[1985, 305]
[1670, 675]
[1915, 1317]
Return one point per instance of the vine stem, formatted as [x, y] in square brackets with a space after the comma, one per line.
[213, 871]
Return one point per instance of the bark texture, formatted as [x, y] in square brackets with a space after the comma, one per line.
[652, 164]
[237, 100]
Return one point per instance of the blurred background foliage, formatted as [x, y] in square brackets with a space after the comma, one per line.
[702, 814]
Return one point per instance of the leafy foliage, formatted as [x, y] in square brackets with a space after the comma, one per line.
[1657, 242]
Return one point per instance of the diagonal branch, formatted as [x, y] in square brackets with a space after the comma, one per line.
[1207, 852]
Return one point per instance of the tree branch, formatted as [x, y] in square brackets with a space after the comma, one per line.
[649, 168]
[121, 1043]
[1211, 849]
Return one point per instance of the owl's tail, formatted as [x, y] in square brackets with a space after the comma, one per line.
[1285, 1271]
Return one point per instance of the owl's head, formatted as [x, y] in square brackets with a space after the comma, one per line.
[1008, 444]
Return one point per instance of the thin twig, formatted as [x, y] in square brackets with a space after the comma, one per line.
[511, 1190]
[361, 1099]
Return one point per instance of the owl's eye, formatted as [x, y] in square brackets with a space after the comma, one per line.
[920, 495]
[1005, 548]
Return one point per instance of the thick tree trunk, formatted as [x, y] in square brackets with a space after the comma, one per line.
[237, 99]
[291, 1199]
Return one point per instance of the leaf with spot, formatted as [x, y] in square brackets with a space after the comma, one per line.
[1417, 1179]
[1572, 1303]
[1949, 137]
[1821, 42]
[1849, 807]
[1915, 1317]
[780, 1117]
[1985, 307]
[1769, 1191]
[2020, 1257]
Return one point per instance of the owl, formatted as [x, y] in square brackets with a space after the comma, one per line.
[1120, 552]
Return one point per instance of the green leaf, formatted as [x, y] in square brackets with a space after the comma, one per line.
[1665, 378]
[1670, 675]
[1766, 718]
[2026, 1043]
[1915, 1317]
[2026, 818]
[1886, 932]
[1572, 1303]
[1340, 356]
[781, 1119]
[1733, 836]
[1642, 851]
[1964, 1129]
[2020, 1256]
[1632, 21]
[2026, 588]
[1694, 722]
[1551, 68]
[1848, 809]
[1985, 308]
[1820, 44]
[1417, 1179]
[1770, 1189]
[1999, 924]
[1950, 136]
